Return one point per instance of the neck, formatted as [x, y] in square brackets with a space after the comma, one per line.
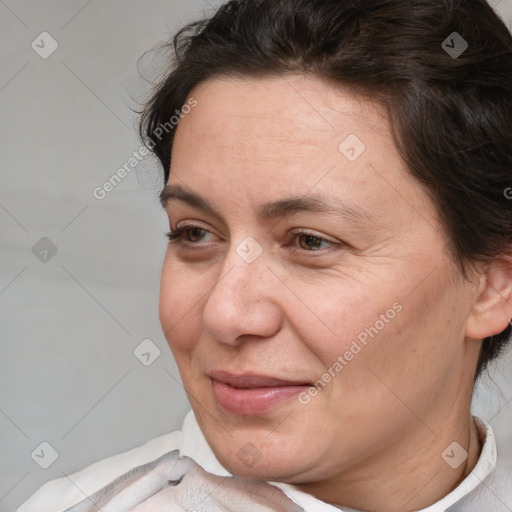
[409, 474]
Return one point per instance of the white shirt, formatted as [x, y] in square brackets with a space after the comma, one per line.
[487, 488]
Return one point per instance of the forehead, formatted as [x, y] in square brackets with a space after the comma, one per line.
[300, 110]
[280, 136]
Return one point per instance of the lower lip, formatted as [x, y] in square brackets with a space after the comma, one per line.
[252, 401]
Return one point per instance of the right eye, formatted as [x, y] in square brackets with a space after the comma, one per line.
[186, 234]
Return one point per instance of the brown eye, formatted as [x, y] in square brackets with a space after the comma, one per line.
[187, 234]
[310, 242]
[195, 234]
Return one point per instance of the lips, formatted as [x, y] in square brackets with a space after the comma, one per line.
[251, 394]
[249, 380]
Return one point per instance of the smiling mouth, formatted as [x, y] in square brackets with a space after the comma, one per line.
[251, 380]
[251, 395]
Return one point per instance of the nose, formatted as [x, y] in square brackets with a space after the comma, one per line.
[244, 301]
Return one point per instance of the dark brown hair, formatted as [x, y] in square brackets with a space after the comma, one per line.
[450, 107]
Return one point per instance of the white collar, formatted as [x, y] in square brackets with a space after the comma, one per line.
[195, 446]
[486, 463]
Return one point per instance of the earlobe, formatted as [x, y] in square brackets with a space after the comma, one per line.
[492, 308]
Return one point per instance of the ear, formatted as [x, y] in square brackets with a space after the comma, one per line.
[492, 308]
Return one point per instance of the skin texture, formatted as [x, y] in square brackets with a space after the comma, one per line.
[372, 438]
[178, 484]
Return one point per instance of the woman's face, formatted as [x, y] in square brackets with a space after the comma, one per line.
[356, 293]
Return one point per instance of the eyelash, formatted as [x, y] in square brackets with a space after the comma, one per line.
[176, 237]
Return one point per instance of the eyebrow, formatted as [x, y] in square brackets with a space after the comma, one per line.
[273, 209]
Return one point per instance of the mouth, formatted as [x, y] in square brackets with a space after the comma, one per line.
[250, 380]
[251, 394]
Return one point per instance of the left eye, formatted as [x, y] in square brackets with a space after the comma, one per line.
[310, 241]
[194, 234]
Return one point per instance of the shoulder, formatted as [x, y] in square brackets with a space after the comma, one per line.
[62, 493]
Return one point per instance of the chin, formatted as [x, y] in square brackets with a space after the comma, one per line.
[272, 472]
[266, 464]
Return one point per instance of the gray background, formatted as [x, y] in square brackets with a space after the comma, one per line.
[70, 322]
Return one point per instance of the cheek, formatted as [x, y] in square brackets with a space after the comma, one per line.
[180, 304]
[406, 346]
[385, 326]
[335, 316]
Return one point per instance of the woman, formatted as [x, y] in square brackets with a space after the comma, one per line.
[339, 271]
